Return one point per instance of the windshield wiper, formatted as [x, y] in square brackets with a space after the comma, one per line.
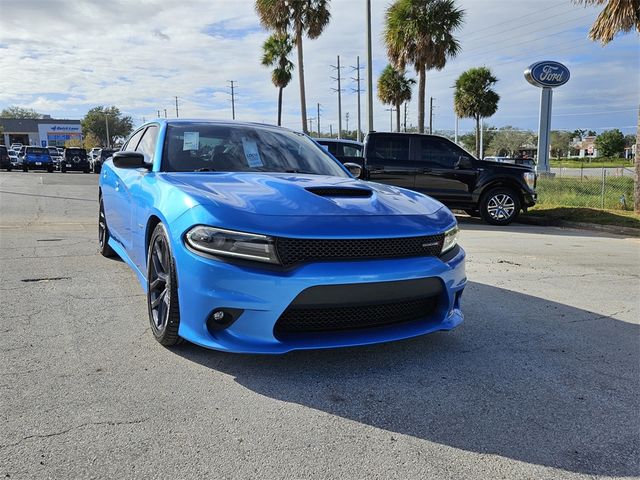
[204, 169]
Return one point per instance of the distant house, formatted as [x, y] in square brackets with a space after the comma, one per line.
[586, 146]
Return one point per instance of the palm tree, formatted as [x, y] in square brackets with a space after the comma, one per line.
[301, 18]
[474, 97]
[420, 33]
[619, 16]
[394, 89]
[276, 49]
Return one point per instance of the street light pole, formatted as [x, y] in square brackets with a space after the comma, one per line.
[106, 122]
[369, 70]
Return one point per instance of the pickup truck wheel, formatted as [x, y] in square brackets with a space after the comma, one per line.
[25, 169]
[500, 206]
[103, 234]
[162, 289]
[63, 169]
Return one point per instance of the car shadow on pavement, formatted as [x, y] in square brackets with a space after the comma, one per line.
[523, 378]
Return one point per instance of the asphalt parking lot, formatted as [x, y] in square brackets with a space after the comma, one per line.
[541, 381]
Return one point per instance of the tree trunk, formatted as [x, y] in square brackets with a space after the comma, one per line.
[398, 117]
[279, 106]
[478, 137]
[303, 100]
[422, 83]
[636, 185]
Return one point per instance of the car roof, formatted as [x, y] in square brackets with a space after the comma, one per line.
[339, 140]
[187, 121]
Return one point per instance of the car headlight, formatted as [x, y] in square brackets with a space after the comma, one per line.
[229, 243]
[530, 179]
[450, 239]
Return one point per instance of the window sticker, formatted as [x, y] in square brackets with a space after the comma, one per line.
[191, 141]
[251, 153]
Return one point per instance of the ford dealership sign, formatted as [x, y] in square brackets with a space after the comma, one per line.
[547, 74]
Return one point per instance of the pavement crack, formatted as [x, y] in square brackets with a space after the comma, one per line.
[82, 425]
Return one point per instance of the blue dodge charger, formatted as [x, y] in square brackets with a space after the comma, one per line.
[252, 238]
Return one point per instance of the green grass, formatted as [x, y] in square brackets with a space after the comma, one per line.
[552, 214]
[597, 162]
[585, 192]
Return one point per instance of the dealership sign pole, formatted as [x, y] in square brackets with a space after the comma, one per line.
[546, 75]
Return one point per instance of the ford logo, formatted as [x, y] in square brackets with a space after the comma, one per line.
[547, 74]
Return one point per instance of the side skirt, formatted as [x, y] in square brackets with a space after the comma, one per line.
[119, 249]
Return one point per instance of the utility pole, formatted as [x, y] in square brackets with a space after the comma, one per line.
[177, 116]
[339, 90]
[331, 130]
[456, 134]
[158, 113]
[369, 70]
[481, 140]
[165, 113]
[233, 100]
[310, 123]
[390, 110]
[318, 117]
[430, 115]
[405, 117]
[358, 90]
[106, 122]
[346, 117]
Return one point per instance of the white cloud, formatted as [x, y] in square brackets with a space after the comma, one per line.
[70, 56]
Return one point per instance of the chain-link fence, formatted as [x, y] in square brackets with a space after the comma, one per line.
[605, 188]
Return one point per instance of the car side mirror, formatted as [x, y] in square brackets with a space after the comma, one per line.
[129, 160]
[354, 169]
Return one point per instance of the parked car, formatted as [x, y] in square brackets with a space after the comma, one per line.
[346, 151]
[92, 153]
[436, 166]
[100, 157]
[249, 238]
[75, 159]
[5, 160]
[55, 156]
[36, 158]
[13, 157]
[16, 147]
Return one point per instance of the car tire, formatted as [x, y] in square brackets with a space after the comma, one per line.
[500, 206]
[96, 169]
[49, 169]
[25, 169]
[63, 169]
[162, 289]
[9, 169]
[103, 234]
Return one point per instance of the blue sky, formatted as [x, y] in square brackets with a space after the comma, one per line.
[140, 55]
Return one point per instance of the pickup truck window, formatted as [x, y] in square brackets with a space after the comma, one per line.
[438, 152]
[351, 151]
[391, 148]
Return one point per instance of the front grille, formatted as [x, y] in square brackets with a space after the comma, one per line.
[295, 250]
[298, 319]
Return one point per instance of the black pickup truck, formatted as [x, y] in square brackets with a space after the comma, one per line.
[438, 167]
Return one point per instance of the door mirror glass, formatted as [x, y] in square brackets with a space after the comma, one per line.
[354, 169]
[128, 160]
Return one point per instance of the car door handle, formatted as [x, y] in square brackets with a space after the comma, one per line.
[117, 185]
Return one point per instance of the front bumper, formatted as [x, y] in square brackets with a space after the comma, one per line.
[37, 164]
[263, 294]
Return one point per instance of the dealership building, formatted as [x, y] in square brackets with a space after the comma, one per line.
[41, 132]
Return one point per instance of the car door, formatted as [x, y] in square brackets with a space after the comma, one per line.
[116, 196]
[445, 171]
[388, 160]
[137, 197]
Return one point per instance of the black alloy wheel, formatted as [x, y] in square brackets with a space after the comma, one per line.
[103, 234]
[162, 289]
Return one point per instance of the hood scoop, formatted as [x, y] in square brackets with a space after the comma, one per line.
[340, 191]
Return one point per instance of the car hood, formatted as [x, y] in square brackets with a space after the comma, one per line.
[285, 194]
[503, 166]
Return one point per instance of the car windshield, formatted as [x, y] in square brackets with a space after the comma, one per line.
[76, 151]
[242, 148]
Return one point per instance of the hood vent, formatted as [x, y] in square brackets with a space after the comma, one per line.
[340, 191]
